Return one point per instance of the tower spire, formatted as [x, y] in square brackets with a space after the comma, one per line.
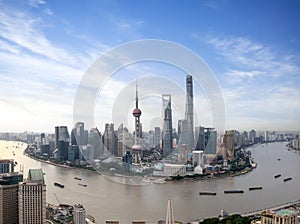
[136, 95]
[169, 216]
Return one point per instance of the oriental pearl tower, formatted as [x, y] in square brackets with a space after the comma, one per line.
[137, 148]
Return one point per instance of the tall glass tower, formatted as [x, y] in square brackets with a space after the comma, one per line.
[189, 112]
[167, 125]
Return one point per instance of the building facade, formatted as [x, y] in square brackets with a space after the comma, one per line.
[79, 214]
[9, 188]
[32, 198]
[284, 216]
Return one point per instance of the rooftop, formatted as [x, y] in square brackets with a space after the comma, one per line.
[285, 212]
[36, 175]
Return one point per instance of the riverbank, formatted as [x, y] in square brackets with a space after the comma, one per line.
[61, 165]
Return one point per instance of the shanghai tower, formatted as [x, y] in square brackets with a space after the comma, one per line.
[189, 112]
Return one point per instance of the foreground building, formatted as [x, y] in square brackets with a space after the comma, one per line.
[32, 198]
[79, 214]
[285, 216]
[9, 187]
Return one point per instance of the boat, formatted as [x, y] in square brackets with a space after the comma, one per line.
[159, 181]
[277, 175]
[287, 179]
[58, 185]
[207, 193]
[83, 185]
[254, 188]
[77, 178]
[278, 159]
[233, 191]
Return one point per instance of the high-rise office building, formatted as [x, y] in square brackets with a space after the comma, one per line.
[73, 153]
[124, 140]
[267, 136]
[182, 133]
[167, 140]
[109, 139]
[206, 140]
[32, 198]
[62, 140]
[79, 214]
[61, 133]
[6, 165]
[157, 137]
[79, 133]
[96, 142]
[252, 135]
[211, 147]
[228, 141]
[9, 188]
[189, 112]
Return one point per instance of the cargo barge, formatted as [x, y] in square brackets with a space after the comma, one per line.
[233, 192]
[59, 185]
[278, 175]
[207, 193]
[287, 179]
[255, 188]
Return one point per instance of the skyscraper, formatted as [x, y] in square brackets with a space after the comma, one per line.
[109, 139]
[228, 141]
[189, 112]
[6, 165]
[61, 133]
[96, 142]
[167, 125]
[206, 140]
[157, 137]
[9, 188]
[62, 139]
[32, 198]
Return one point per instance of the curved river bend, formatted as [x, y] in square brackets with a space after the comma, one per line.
[108, 200]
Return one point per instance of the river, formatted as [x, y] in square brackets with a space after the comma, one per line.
[108, 200]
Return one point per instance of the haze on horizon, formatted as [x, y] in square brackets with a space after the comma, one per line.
[252, 47]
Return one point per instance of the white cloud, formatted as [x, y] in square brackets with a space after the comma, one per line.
[249, 55]
[36, 3]
[237, 76]
[22, 30]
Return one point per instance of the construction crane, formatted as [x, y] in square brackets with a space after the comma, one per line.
[57, 198]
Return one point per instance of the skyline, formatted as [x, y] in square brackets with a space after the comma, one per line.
[251, 47]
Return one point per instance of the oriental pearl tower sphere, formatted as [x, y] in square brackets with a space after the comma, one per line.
[137, 148]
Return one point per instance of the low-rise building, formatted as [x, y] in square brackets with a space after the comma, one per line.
[284, 216]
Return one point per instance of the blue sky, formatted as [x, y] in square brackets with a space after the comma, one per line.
[253, 48]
